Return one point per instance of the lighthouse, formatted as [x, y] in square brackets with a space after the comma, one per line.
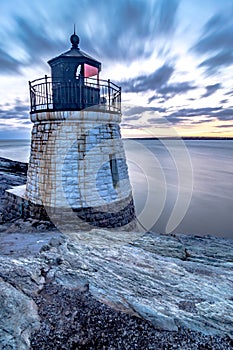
[77, 169]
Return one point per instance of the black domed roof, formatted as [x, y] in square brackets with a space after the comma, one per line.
[76, 54]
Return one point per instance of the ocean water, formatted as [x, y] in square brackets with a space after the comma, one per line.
[15, 149]
[178, 186]
[195, 176]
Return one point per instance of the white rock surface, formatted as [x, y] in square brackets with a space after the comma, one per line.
[18, 317]
[173, 282]
[160, 279]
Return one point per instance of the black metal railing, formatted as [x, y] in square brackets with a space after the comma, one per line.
[47, 94]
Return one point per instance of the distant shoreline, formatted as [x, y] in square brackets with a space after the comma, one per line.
[209, 138]
[180, 138]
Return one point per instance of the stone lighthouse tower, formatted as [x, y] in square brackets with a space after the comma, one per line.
[77, 169]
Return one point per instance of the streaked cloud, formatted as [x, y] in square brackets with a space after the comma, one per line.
[210, 89]
[225, 126]
[170, 90]
[149, 82]
[216, 41]
[217, 112]
[19, 111]
[8, 64]
[149, 40]
[112, 30]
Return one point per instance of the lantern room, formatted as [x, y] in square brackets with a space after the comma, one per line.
[69, 71]
[74, 84]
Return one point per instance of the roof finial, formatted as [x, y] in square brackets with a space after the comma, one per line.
[74, 40]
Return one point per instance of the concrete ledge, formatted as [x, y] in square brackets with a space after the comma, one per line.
[19, 191]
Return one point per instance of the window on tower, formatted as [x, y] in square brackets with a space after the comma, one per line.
[78, 71]
[114, 169]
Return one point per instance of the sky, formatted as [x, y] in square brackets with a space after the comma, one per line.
[172, 58]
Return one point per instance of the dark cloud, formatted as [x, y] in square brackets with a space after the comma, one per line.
[158, 109]
[136, 113]
[165, 120]
[148, 82]
[224, 114]
[157, 98]
[194, 112]
[128, 126]
[199, 122]
[131, 126]
[178, 120]
[153, 120]
[210, 89]
[135, 117]
[216, 34]
[21, 108]
[167, 10]
[216, 41]
[3, 126]
[9, 64]
[36, 40]
[18, 112]
[27, 122]
[131, 111]
[225, 126]
[16, 121]
[208, 112]
[220, 59]
[168, 91]
[230, 93]
[134, 110]
[174, 120]
[173, 89]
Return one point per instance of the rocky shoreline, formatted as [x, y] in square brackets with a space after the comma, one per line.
[98, 290]
[12, 173]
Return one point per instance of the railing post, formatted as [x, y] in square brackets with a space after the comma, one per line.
[30, 90]
[46, 91]
[120, 99]
[109, 93]
[80, 94]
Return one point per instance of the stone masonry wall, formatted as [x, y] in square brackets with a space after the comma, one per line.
[115, 215]
[70, 162]
[17, 206]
